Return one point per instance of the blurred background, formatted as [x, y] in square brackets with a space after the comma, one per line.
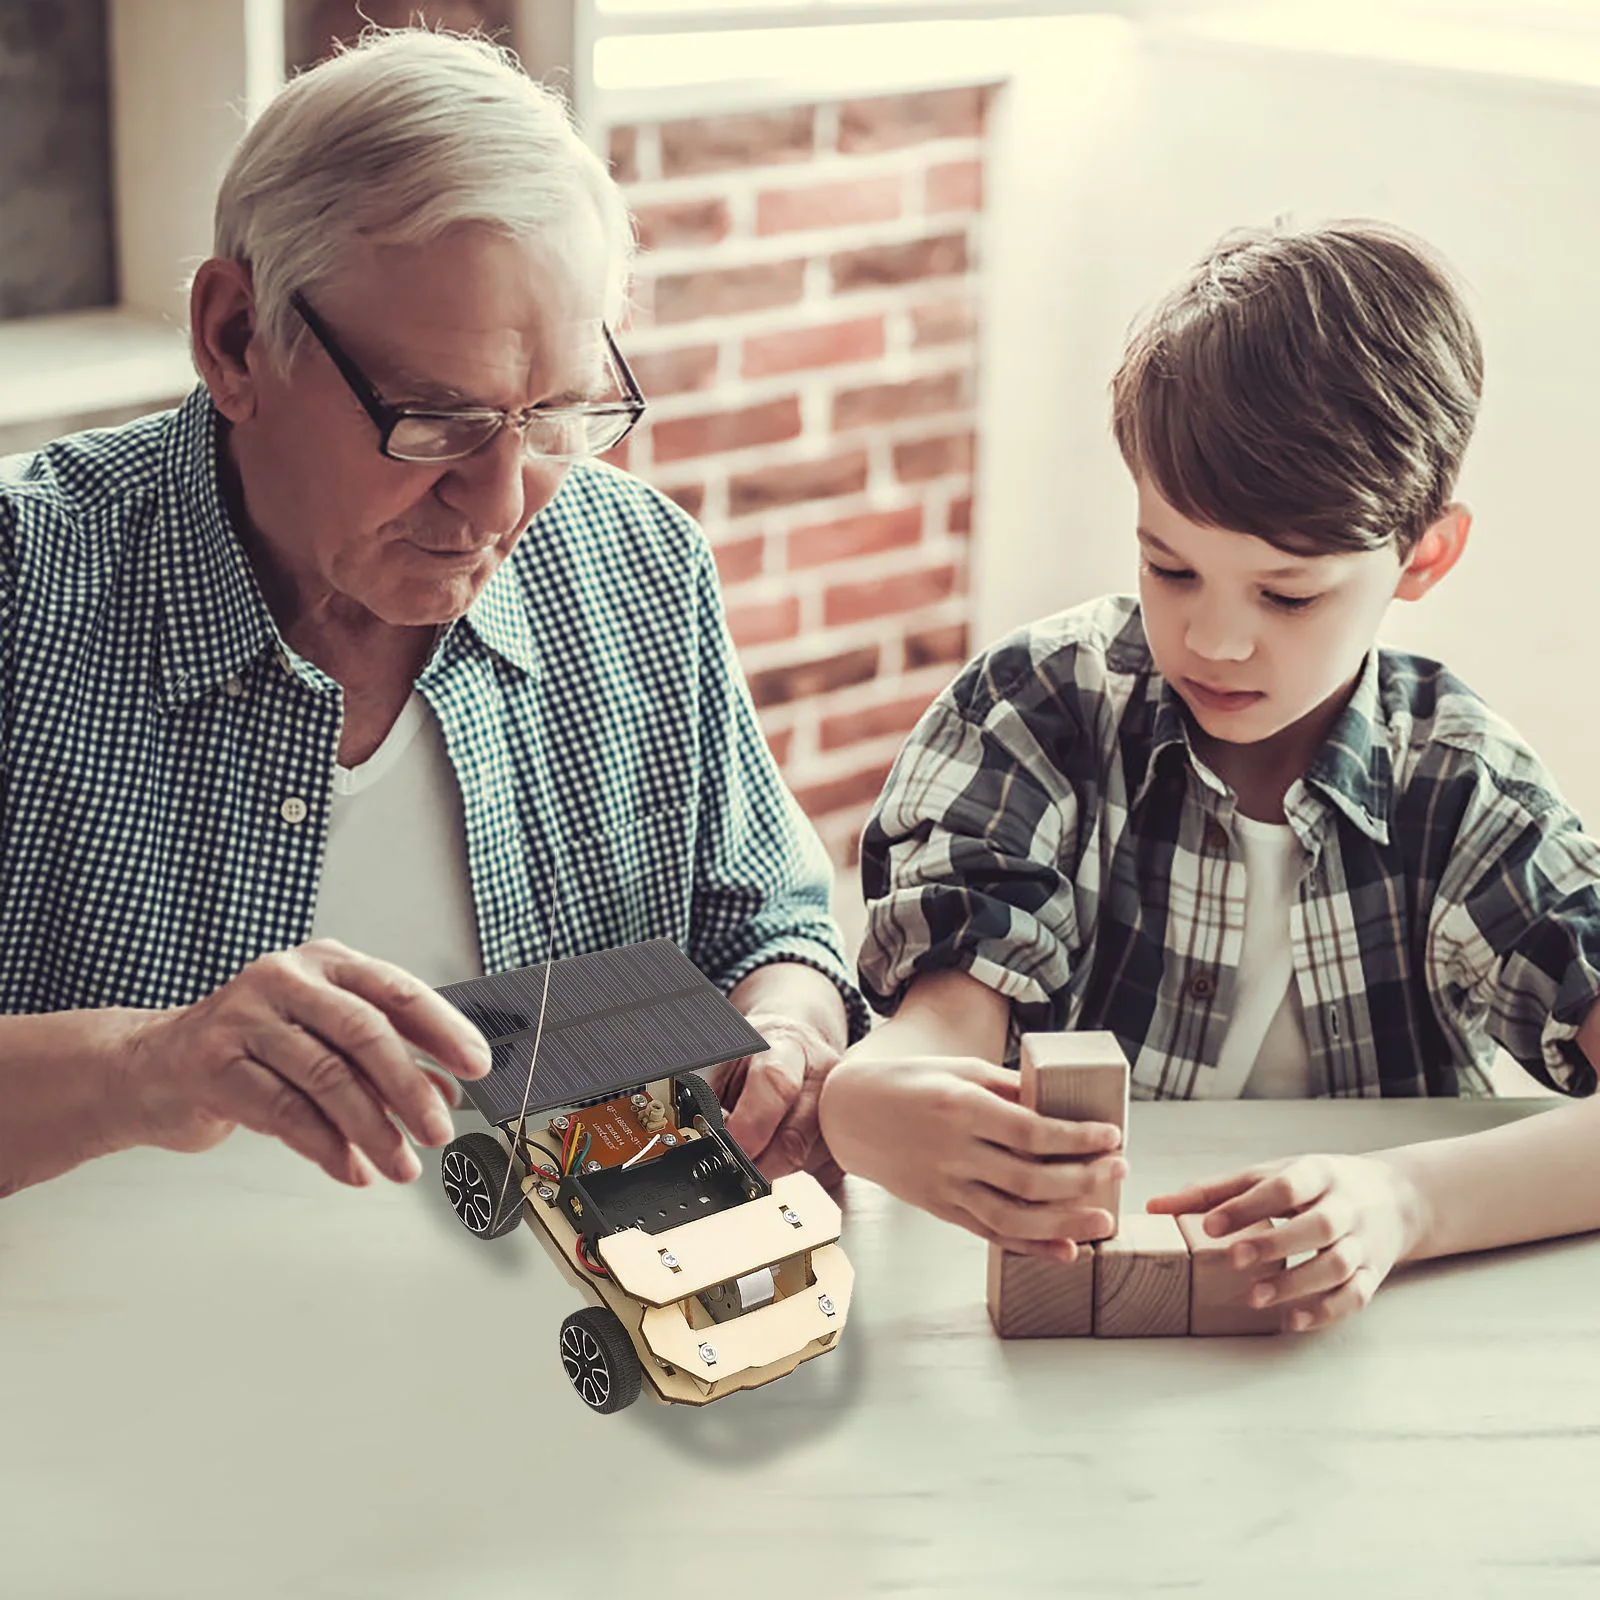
[891, 250]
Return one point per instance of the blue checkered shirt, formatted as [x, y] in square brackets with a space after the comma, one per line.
[166, 765]
[1049, 829]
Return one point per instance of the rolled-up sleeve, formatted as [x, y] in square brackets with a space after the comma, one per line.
[1514, 941]
[763, 879]
[967, 857]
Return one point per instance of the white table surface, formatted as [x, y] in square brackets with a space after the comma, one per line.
[224, 1376]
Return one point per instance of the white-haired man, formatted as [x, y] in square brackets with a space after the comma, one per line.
[356, 674]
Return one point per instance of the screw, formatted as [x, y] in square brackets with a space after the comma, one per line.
[640, 1100]
[591, 1166]
[825, 1303]
[560, 1124]
[670, 1260]
[545, 1193]
[669, 1138]
[790, 1217]
[708, 1354]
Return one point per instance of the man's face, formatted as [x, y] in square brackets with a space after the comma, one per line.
[470, 319]
[1254, 639]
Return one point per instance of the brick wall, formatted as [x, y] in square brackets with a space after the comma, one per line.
[806, 333]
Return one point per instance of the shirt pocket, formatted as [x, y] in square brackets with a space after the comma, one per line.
[630, 881]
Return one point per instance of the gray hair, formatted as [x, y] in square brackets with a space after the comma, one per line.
[391, 142]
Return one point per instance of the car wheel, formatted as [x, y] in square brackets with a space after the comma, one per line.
[480, 1185]
[599, 1358]
[696, 1096]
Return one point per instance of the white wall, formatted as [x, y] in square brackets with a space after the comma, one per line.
[1123, 153]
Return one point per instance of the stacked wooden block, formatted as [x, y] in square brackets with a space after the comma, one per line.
[1152, 1276]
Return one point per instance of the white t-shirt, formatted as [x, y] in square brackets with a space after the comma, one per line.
[1264, 1055]
[395, 882]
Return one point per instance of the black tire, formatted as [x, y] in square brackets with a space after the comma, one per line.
[600, 1361]
[480, 1185]
[695, 1095]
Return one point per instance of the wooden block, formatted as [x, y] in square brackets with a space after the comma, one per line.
[1033, 1297]
[1219, 1294]
[1141, 1280]
[1080, 1077]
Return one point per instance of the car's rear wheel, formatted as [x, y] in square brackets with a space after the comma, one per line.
[480, 1185]
[599, 1358]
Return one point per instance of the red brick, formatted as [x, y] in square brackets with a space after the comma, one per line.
[945, 321]
[876, 265]
[625, 154]
[664, 372]
[796, 482]
[961, 514]
[905, 591]
[827, 346]
[716, 431]
[805, 679]
[781, 744]
[890, 122]
[955, 186]
[829, 205]
[872, 722]
[934, 645]
[716, 144]
[865, 535]
[682, 297]
[683, 222]
[860, 789]
[740, 560]
[893, 402]
[764, 621]
[691, 496]
[917, 460]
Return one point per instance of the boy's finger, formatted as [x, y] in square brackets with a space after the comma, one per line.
[1323, 1225]
[1202, 1196]
[1016, 1128]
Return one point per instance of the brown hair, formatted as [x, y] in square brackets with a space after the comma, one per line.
[1316, 388]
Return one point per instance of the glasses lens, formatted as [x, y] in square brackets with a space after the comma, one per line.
[575, 434]
[422, 438]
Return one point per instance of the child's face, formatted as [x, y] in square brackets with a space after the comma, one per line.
[1254, 639]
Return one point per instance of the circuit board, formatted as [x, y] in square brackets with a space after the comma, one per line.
[617, 1132]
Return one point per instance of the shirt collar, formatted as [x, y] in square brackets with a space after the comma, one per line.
[1353, 770]
[216, 618]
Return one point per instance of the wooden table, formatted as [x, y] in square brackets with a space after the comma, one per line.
[223, 1376]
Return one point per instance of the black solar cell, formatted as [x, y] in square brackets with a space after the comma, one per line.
[612, 1018]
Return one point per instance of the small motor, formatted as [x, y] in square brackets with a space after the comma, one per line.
[739, 1295]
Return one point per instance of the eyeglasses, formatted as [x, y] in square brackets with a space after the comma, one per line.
[559, 433]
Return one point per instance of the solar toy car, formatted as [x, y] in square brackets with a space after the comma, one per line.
[703, 1277]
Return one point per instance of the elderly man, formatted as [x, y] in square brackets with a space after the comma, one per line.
[357, 674]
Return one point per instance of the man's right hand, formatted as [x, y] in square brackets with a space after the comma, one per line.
[947, 1133]
[315, 1046]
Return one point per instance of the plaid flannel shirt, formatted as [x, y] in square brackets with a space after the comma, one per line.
[166, 765]
[1049, 829]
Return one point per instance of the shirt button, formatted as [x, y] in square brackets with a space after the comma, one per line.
[293, 810]
[233, 687]
[1216, 836]
[1201, 986]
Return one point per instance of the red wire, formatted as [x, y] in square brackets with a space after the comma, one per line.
[594, 1266]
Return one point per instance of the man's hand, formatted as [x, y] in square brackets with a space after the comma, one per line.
[947, 1133]
[1356, 1213]
[773, 1098]
[314, 1046]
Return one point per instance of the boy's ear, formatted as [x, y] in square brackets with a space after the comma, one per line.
[222, 325]
[1435, 553]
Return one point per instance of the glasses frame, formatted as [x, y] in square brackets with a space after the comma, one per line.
[386, 417]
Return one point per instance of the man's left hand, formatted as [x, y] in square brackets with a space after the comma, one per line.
[773, 1097]
[1356, 1214]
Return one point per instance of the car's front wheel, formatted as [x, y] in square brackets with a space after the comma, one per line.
[480, 1184]
[599, 1358]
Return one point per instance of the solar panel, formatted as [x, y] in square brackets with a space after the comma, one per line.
[613, 1018]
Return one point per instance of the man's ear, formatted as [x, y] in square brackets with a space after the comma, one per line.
[222, 329]
[1435, 553]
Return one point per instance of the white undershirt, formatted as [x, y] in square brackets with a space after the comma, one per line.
[395, 882]
[1264, 1056]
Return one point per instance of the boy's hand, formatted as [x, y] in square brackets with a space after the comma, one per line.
[1357, 1213]
[947, 1134]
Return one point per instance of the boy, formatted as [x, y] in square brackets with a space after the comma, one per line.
[1218, 821]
